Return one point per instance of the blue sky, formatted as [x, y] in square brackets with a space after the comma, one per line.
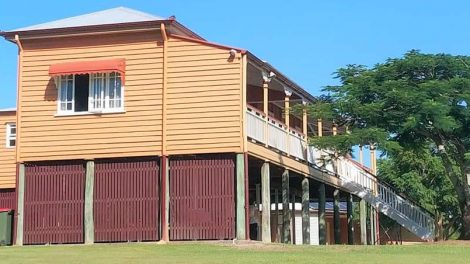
[307, 40]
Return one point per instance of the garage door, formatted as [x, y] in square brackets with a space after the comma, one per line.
[126, 200]
[53, 203]
[202, 203]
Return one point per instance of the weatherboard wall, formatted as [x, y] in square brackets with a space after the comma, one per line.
[204, 98]
[7, 155]
[137, 132]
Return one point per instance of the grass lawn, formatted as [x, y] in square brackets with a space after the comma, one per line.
[225, 253]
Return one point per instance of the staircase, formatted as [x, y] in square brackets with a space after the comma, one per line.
[362, 183]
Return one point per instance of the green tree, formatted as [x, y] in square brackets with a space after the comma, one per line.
[420, 175]
[404, 104]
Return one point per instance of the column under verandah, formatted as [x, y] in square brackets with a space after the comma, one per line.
[363, 221]
[350, 210]
[266, 203]
[322, 214]
[286, 221]
[336, 217]
[305, 211]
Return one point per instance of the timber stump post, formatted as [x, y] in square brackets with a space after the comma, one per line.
[240, 181]
[285, 208]
[88, 210]
[266, 204]
[305, 211]
[321, 214]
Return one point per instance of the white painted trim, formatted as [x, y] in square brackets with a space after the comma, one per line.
[90, 113]
[104, 109]
[9, 135]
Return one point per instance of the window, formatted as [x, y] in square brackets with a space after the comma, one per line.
[95, 92]
[11, 135]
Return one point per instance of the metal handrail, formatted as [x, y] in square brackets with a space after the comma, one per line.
[396, 201]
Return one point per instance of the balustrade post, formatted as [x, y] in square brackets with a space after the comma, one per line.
[305, 130]
[288, 94]
[320, 127]
[266, 81]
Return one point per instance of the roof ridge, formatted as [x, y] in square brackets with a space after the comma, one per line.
[114, 15]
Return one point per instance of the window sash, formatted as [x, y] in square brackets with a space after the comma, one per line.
[105, 92]
[10, 135]
[66, 102]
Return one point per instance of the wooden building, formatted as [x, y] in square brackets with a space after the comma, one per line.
[131, 127]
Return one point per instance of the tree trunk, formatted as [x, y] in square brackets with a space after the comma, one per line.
[439, 230]
[462, 189]
[465, 231]
[465, 203]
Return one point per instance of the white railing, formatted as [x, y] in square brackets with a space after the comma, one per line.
[256, 125]
[295, 144]
[395, 201]
[277, 135]
[355, 173]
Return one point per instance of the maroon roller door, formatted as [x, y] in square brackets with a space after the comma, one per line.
[202, 203]
[126, 200]
[53, 203]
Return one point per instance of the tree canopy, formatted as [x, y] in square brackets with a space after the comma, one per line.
[414, 103]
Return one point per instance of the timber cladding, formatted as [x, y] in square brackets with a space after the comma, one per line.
[137, 132]
[7, 155]
[203, 99]
[202, 197]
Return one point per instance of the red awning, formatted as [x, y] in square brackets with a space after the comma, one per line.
[83, 67]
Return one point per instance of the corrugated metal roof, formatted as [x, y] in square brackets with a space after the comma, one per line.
[109, 16]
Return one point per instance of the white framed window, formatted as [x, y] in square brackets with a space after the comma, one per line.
[90, 93]
[11, 135]
[66, 93]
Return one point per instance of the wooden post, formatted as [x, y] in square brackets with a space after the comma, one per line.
[305, 123]
[305, 211]
[88, 210]
[20, 208]
[287, 121]
[266, 81]
[258, 203]
[335, 130]
[288, 93]
[321, 214]
[276, 208]
[350, 210]
[320, 127]
[363, 221]
[373, 237]
[336, 217]
[165, 196]
[241, 228]
[374, 213]
[292, 216]
[361, 155]
[164, 89]
[285, 208]
[266, 201]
